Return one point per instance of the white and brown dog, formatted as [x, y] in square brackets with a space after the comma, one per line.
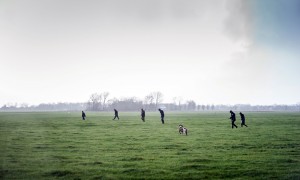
[183, 130]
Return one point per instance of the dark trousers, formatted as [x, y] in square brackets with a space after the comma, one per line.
[83, 117]
[232, 124]
[243, 124]
[162, 120]
[116, 116]
[143, 118]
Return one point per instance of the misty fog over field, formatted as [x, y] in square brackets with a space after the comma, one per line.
[211, 52]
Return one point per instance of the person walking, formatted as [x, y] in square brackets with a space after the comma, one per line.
[232, 117]
[116, 115]
[162, 115]
[143, 115]
[243, 119]
[83, 115]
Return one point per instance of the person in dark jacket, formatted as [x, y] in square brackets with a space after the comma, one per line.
[243, 119]
[232, 117]
[162, 115]
[83, 115]
[143, 115]
[116, 114]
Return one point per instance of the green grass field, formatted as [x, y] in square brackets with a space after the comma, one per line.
[60, 145]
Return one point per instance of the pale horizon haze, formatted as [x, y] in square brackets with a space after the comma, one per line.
[209, 51]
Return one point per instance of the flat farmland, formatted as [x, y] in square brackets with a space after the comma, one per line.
[47, 145]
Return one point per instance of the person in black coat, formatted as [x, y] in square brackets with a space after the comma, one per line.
[116, 114]
[243, 119]
[83, 115]
[232, 117]
[162, 115]
[143, 115]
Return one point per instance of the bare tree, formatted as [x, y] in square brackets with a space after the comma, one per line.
[207, 107]
[198, 107]
[175, 100]
[158, 98]
[178, 102]
[148, 101]
[179, 99]
[94, 102]
[24, 105]
[126, 104]
[191, 105]
[212, 107]
[111, 103]
[104, 96]
[298, 105]
[175, 103]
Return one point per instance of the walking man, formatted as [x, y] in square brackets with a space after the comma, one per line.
[116, 114]
[83, 115]
[232, 117]
[243, 119]
[162, 115]
[143, 115]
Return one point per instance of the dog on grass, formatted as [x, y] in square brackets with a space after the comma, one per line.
[183, 130]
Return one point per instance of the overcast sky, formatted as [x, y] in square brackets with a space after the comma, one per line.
[210, 51]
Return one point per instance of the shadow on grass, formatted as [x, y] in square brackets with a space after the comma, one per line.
[99, 177]
[135, 171]
[200, 161]
[92, 163]
[59, 173]
[133, 159]
[194, 167]
[172, 146]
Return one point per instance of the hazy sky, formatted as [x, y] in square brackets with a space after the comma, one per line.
[210, 51]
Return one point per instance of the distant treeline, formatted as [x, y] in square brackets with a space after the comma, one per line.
[151, 102]
[135, 105]
[45, 107]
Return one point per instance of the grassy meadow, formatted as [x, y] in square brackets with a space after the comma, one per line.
[47, 145]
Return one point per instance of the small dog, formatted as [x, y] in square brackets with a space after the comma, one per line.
[183, 130]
